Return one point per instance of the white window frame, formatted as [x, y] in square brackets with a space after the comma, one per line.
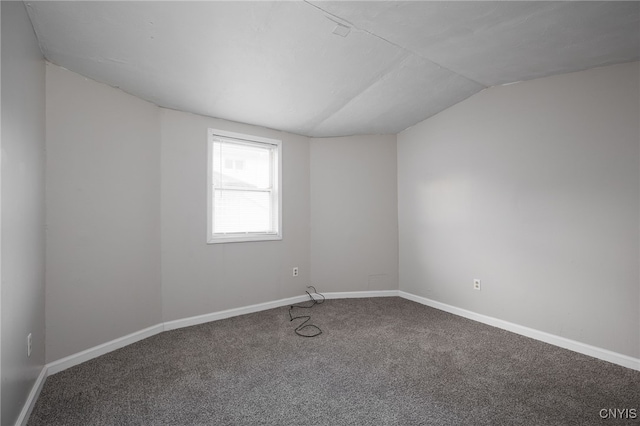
[276, 191]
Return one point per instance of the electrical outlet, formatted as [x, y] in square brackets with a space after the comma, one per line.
[29, 342]
[295, 271]
[476, 284]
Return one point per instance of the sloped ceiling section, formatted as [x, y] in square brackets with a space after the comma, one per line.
[280, 65]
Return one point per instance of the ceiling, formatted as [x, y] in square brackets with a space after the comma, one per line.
[280, 64]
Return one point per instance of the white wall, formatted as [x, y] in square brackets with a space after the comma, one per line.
[200, 278]
[533, 188]
[23, 208]
[127, 209]
[354, 217]
[126, 218]
[103, 213]
[0, 216]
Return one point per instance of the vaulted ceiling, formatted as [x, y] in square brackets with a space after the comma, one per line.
[321, 68]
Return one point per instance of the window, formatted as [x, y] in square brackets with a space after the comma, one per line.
[244, 195]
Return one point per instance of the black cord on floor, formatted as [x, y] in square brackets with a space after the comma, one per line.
[315, 330]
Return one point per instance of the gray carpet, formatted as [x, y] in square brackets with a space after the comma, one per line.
[383, 361]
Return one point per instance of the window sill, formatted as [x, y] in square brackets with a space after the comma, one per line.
[243, 238]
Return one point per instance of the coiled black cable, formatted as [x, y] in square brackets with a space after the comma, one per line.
[304, 326]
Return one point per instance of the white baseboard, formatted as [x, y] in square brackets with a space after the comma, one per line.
[75, 359]
[604, 354]
[583, 348]
[96, 351]
[32, 398]
[215, 316]
[360, 294]
[86, 355]
[80, 357]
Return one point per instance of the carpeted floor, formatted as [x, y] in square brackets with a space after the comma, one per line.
[382, 361]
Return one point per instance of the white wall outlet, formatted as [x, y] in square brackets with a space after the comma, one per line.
[295, 271]
[476, 284]
[29, 342]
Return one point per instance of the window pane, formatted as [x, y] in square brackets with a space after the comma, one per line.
[242, 211]
[241, 166]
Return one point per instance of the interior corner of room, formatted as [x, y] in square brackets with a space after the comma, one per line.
[531, 188]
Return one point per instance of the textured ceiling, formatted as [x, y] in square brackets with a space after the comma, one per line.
[280, 65]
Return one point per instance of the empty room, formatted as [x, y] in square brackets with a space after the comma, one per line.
[320, 213]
